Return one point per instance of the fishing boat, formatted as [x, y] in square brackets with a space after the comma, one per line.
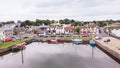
[77, 41]
[57, 40]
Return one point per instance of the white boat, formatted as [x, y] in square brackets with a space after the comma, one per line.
[77, 41]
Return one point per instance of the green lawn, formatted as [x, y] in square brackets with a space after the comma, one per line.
[10, 43]
[70, 36]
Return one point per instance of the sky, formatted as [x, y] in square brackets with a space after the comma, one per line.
[83, 10]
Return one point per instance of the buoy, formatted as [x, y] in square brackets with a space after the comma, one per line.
[92, 43]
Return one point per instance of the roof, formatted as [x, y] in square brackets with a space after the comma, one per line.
[7, 27]
[69, 28]
[43, 26]
[91, 25]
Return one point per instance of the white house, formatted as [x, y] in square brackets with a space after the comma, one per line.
[60, 30]
[41, 30]
[6, 31]
[56, 28]
[2, 36]
[69, 29]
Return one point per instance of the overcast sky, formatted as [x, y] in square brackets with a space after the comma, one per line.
[59, 9]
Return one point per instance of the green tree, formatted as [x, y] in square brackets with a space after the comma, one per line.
[77, 29]
[0, 24]
[26, 22]
[65, 21]
[16, 32]
[52, 21]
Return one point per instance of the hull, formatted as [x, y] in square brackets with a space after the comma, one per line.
[77, 41]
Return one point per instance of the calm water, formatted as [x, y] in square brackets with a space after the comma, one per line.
[43, 55]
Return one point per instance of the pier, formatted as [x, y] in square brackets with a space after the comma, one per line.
[112, 48]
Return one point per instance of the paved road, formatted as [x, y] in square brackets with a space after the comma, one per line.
[103, 34]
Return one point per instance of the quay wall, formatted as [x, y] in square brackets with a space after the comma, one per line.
[110, 52]
[6, 50]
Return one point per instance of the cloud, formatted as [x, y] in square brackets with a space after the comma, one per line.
[59, 9]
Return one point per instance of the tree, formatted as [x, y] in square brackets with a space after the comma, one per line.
[101, 23]
[39, 22]
[26, 22]
[47, 22]
[16, 32]
[52, 21]
[77, 29]
[0, 24]
[65, 21]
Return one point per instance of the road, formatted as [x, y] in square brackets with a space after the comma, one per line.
[103, 34]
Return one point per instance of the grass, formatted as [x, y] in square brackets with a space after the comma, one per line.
[10, 43]
[69, 36]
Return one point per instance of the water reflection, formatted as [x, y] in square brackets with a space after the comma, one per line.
[43, 55]
[22, 56]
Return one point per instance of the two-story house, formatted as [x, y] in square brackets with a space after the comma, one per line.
[6, 31]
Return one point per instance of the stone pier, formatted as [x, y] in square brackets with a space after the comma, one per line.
[112, 48]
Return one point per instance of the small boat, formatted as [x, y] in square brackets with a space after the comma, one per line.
[18, 47]
[77, 41]
[57, 40]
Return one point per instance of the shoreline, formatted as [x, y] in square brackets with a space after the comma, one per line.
[8, 49]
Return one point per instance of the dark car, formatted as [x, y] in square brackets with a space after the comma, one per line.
[25, 37]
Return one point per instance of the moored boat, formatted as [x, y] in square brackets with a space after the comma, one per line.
[77, 41]
[57, 40]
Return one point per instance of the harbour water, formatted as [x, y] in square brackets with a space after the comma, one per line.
[67, 55]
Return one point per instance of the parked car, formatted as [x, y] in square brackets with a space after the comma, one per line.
[8, 39]
[98, 37]
[25, 37]
[107, 40]
[41, 34]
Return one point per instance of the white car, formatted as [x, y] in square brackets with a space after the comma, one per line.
[42, 34]
[98, 37]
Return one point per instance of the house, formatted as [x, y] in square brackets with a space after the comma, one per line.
[51, 30]
[6, 31]
[60, 30]
[42, 29]
[90, 28]
[33, 29]
[56, 28]
[2, 35]
[69, 29]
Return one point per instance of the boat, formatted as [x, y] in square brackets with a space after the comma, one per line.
[57, 40]
[18, 47]
[77, 41]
